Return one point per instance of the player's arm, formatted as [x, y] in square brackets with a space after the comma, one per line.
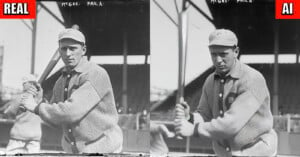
[252, 95]
[185, 125]
[91, 91]
[203, 112]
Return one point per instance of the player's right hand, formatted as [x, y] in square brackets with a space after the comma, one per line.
[184, 128]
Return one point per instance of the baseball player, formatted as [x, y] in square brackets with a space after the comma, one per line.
[234, 108]
[82, 102]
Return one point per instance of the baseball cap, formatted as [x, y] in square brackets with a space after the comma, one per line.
[71, 33]
[223, 37]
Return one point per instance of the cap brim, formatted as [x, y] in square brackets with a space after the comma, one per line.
[222, 44]
[72, 38]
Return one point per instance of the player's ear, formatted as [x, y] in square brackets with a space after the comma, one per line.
[236, 52]
[83, 49]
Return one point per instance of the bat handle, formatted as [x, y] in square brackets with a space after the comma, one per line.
[184, 104]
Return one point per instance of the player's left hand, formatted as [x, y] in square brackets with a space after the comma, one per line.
[31, 86]
[183, 127]
[28, 102]
[34, 89]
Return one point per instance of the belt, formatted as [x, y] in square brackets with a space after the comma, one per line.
[93, 141]
[251, 143]
[74, 146]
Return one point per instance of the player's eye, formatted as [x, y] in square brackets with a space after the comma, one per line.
[63, 48]
[72, 48]
[223, 54]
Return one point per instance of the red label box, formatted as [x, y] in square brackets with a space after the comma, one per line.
[287, 9]
[17, 9]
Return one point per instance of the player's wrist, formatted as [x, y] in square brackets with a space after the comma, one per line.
[32, 107]
[196, 132]
[37, 108]
[39, 100]
[190, 118]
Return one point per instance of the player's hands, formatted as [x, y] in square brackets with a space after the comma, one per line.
[182, 111]
[31, 86]
[28, 101]
[34, 89]
[183, 127]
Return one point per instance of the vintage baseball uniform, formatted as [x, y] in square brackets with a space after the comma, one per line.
[83, 104]
[236, 111]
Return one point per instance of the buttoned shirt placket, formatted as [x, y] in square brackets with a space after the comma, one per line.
[221, 107]
[70, 135]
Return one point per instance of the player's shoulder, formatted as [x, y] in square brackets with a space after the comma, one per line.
[96, 68]
[209, 79]
[252, 73]
[96, 72]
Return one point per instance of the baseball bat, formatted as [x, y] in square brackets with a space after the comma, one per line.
[182, 55]
[55, 58]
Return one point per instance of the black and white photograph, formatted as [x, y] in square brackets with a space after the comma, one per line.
[224, 78]
[76, 79]
[150, 78]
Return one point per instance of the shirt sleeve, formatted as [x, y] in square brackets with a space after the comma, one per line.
[81, 101]
[252, 95]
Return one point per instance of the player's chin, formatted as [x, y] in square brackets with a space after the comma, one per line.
[70, 64]
[222, 70]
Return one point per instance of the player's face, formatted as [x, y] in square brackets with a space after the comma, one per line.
[223, 58]
[71, 52]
